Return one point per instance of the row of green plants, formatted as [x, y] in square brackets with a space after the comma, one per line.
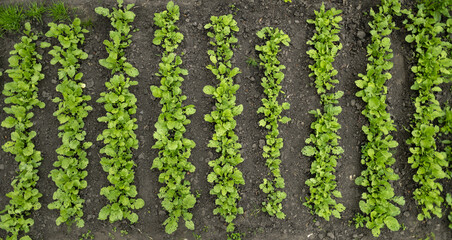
[22, 97]
[378, 204]
[446, 132]
[225, 176]
[69, 172]
[323, 144]
[271, 109]
[120, 104]
[174, 148]
[12, 17]
[433, 65]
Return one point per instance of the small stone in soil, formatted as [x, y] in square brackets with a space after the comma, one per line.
[330, 235]
[2, 166]
[361, 34]
[261, 143]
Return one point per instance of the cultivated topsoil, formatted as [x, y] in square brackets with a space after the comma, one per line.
[251, 16]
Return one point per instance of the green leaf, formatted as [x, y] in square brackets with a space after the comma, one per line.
[45, 45]
[189, 201]
[104, 212]
[139, 203]
[190, 225]
[309, 151]
[209, 90]
[9, 122]
[392, 223]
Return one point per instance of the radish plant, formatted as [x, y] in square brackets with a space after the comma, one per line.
[225, 176]
[446, 131]
[272, 112]
[433, 66]
[378, 203]
[174, 148]
[22, 96]
[323, 144]
[119, 138]
[69, 172]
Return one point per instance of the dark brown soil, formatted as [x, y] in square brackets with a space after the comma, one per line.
[251, 16]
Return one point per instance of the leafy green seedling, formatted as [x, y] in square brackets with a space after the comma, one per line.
[120, 104]
[433, 68]
[225, 176]
[70, 168]
[21, 97]
[174, 148]
[379, 204]
[323, 143]
[271, 109]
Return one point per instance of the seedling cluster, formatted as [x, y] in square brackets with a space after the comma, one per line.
[225, 176]
[378, 203]
[272, 111]
[119, 138]
[174, 148]
[22, 96]
[433, 64]
[69, 172]
[323, 144]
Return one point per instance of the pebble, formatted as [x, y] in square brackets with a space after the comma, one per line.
[361, 34]
[2, 166]
[254, 146]
[210, 154]
[317, 224]
[89, 83]
[141, 156]
[353, 102]
[406, 214]
[261, 143]
[330, 235]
